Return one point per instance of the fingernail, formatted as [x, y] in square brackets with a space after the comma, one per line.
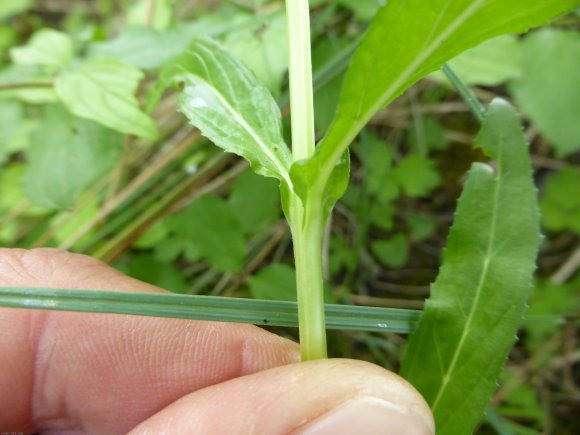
[369, 416]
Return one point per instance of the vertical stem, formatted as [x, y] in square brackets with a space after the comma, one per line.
[300, 75]
[305, 215]
[307, 233]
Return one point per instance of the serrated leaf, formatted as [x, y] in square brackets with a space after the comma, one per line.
[47, 47]
[226, 102]
[548, 90]
[274, 282]
[67, 154]
[408, 40]
[103, 90]
[416, 175]
[477, 302]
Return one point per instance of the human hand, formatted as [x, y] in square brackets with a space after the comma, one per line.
[88, 373]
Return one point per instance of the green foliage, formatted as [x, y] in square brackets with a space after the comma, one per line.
[263, 48]
[560, 202]
[478, 300]
[393, 252]
[143, 47]
[103, 90]
[212, 228]
[274, 282]
[255, 202]
[552, 104]
[13, 7]
[416, 175]
[491, 63]
[431, 38]
[65, 156]
[47, 47]
[225, 101]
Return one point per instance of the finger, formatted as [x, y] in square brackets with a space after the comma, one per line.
[315, 398]
[102, 373]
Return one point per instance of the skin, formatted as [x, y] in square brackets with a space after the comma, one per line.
[83, 373]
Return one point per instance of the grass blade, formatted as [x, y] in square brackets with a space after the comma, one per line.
[215, 308]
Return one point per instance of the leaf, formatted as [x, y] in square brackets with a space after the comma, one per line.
[67, 154]
[549, 88]
[276, 282]
[560, 202]
[211, 228]
[147, 268]
[255, 202]
[225, 101]
[263, 48]
[416, 175]
[408, 40]
[46, 47]
[103, 90]
[393, 252]
[489, 64]
[477, 302]
[143, 47]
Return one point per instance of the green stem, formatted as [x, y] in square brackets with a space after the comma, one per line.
[300, 77]
[470, 99]
[304, 215]
[307, 231]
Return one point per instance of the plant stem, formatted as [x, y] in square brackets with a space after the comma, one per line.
[304, 215]
[470, 99]
[300, 75]
[307, 231]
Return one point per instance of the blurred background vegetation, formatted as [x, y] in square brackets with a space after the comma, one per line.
[162, 204]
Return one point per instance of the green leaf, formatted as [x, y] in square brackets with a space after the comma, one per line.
[560, 202]
[255, 202]
[103, 90]
[489, 64]
[212, 229]
[147, 268]
[143, 47]
[274, 282]
[46, 47]
[13, 7]
[225, 101]
[65, 156]
[32, 74]
[408, 40]
[263, 48]
[393, 252]
[416, 175]
[477, 302]
[549, 88]
[14, 128]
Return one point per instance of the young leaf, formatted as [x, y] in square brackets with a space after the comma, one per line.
[478, 299]
[406, 41]
[226, 102]
[103, 90]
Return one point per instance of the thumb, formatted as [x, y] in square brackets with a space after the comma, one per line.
[313, 398]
